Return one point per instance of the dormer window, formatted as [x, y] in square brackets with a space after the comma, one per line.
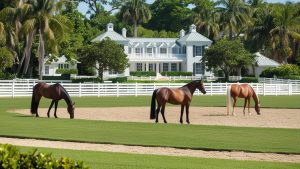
[110, 27]
[163, 50]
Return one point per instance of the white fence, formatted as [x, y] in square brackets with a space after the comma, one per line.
[278, 81]
[15, 89]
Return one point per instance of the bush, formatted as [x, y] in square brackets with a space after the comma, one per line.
[94, 80]
[10, 157]
[176, 73]
[293, 77]
[66, 71]
[269, 72]
[283, 71]
[62, 77]
[249, 80]
[118, 79]
[139, 74]
[6, 76]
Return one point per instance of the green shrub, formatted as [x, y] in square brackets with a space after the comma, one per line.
[62, 77]
[287, 70]
[139, 74]
[66, 71]
[94, 80]
[293, 77]
[249, 80]
[269, 72]
[118, 79]
[176, 73]
[10, 157]
[7, 76]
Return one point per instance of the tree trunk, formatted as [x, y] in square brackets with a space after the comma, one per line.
[27, 51]
[100, 74]
[135, 29]
[239, 71]
[41, 54]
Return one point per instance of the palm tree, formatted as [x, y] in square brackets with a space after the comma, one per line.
[287, 23]
[233, 16]
[137, 12]
[206, 19]
[49, 27]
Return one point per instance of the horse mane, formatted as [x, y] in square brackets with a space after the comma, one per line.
[255, 96]
[67, 98]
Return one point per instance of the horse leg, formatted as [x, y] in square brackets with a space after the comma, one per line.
[234, 103]
[38, 99]
[187, 113]
[157, 112]
[249, 106]
[48, 114]
[245, 103]
[163, 112]
[181, 113]
[56, 103]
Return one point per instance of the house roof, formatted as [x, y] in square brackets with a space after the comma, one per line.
[193, 36]
[112, 35]
[261, 60]
[61, 59]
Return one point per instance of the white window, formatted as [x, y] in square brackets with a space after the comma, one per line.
[198, 50]
[63, 66]
[175, 50]
[139, 67]
[151, 67]
[129, 50]
[184, 49]
[165, 67]
[173, 67]
[149, 50]
[198, 68]
[66, 66]
[112, 72]
[138, 50]
[46, 70]
[163, 50]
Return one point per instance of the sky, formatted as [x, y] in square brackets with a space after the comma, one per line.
[83, 7]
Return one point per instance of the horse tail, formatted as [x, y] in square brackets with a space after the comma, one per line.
[153, 106]
[33, 102]
[229, 104]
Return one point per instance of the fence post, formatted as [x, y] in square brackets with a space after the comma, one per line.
[211, 88]
[80, 89]
[264, 89]
[98, 89]
[276, 88]
[136, 88]
[117, 89]
[290, 89]
[13, 88]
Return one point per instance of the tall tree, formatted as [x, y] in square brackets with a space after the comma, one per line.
[286, 31]
[106, 55]
[228, 56]
[136, 12]
[48, 25]
[206, 18]
[234, 15]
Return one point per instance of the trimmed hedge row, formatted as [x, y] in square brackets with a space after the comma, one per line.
[66, 71]
[283, 71]
[139, 74]
[177, 73]
[10, 157]
[6, 76]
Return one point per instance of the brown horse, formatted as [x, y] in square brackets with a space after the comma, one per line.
[242, 91]
[182, 96]
[55, 92]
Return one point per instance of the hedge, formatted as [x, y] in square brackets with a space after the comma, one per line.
[139, 74]
[283, 71]
[66, 71]
[6, 76]
[176, 73]
[62, 77]
[94, 80]
[11, 157]
[118, 79]
[249, 80]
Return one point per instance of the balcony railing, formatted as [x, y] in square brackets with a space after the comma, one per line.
[155, 56]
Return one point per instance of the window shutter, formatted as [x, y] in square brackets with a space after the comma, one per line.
[194, 50]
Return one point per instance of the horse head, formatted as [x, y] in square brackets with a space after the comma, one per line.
[200, 86]
[71, 109]
[257, 108]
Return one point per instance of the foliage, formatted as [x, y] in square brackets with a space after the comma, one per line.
[6, 58]
[6, 76]
[283, 71]
[159, 81]
[118, 80]
[249, 80]
[147, 33]
[139, 73]
[82, 80]
[228, 56]
[107, 54]
[62, 77]
[177, 73]
[170, 15]
[10, 157]
[66, 71]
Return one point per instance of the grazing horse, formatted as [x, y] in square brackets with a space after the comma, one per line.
[55, 92]
[242, 91]
[182, 96]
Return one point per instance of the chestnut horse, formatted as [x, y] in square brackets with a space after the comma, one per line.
[55, 92]
[182, 96]
[242, 91]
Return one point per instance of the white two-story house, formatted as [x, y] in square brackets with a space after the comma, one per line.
[161, 54]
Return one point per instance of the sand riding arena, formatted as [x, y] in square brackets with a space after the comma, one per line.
[274, 118]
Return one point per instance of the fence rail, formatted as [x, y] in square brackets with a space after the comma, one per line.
[15, 89]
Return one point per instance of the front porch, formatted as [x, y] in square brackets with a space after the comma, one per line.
[158, 66]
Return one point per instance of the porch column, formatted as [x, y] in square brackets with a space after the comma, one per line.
[147, 66]
[157, 67]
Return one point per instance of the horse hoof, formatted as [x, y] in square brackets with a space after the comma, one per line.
[156, 121]
[165, 122]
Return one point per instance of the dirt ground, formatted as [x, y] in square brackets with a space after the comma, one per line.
[275, 118]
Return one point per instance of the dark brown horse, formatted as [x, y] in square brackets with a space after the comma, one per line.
[55, 92]
[182, 96]
[242, 91]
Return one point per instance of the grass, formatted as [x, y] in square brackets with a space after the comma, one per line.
[109, 160]
[171, 135]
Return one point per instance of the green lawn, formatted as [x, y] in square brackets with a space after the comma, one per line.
[108, 160]
[170, 135]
